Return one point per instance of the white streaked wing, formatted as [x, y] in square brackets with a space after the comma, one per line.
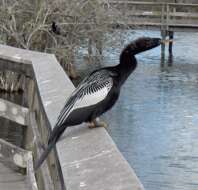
[92, 98]
[90, 91]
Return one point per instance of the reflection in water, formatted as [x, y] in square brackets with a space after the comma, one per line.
[155, 121]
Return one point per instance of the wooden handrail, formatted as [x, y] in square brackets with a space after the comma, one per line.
[164, 11]
[152, 3]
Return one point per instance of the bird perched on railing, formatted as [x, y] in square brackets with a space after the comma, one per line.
[55, 29]
[98, 92]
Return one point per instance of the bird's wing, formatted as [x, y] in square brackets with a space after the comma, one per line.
[90, 91]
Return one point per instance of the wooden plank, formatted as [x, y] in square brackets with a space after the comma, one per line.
[30, 172]
[135, 3]
[16, 64]
[163, 18]
[184, 14]
[148, 17]
[150, 25]
[151, 14]
[184, 25]
[10, 179]
[143, 13]
[13, 112]
[167, 16]
[184, 4]
[153, 3]
[12, 155]
[12, 158]
[44, 168]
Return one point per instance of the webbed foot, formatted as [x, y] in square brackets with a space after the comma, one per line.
[97, 123]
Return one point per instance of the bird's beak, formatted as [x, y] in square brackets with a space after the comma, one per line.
[166, 41]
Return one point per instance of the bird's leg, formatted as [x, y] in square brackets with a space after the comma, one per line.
[97, 123]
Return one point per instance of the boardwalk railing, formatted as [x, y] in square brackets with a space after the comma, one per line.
[169, 16]
[83, 158]
[149, 15]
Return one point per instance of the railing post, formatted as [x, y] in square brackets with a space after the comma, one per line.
[167, 17]
[163, 33]
[170, 48]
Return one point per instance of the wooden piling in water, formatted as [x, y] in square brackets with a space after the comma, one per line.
[163, 36]
[170, 47]
[163, 33]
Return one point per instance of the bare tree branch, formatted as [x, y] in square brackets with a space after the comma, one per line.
[27, 24]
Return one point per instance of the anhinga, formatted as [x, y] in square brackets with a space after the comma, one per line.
[98, 92]
[55, 28]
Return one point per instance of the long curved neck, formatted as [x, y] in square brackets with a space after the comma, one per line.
[127, 64]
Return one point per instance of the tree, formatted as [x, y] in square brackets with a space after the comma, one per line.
[27, 24]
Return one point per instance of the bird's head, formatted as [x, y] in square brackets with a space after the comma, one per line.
[145, 43]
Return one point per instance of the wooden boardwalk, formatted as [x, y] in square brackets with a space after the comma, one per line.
[10, 179]
[167, 16]
[158, 15]
[84, 158]
[83, 162]
[16, 167]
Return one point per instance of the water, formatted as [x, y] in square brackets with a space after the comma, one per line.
[155, 121]
[154, 125]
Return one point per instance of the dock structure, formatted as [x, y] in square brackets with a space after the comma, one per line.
[168, 16]
[13, 161]
[83, 159]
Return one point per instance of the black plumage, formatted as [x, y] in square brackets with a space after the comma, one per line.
[55, 29]
[98, 92]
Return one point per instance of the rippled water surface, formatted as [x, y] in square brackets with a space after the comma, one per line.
[155, 121]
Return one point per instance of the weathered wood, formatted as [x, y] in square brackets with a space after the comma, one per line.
[163, 34]
[44, 168]
[158, 14]
[134, 3]
[13, 112]
[184, 4]
[12, 155]
[167, 16]
[147, 14]
[75, 149]
[170, 48]
[163, 17]
[30, 172]
[23, 66]
[13, 158]
[152, 3]
[148, 24]
[10, 179]
[184, 14]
